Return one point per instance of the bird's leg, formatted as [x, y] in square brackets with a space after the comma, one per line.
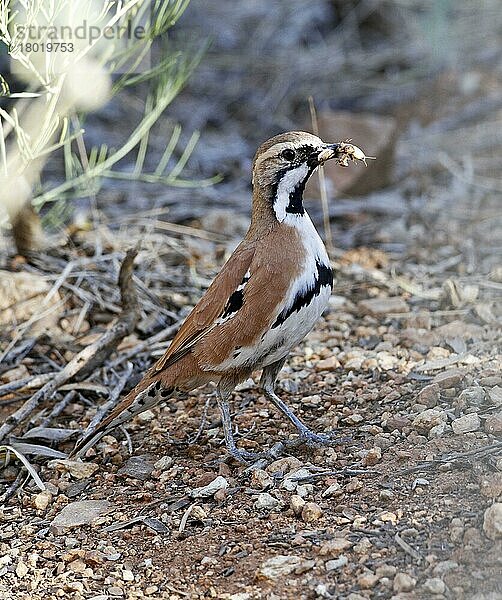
[224, 391]
[267, 383]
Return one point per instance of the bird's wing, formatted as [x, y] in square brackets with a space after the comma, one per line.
[211, 307]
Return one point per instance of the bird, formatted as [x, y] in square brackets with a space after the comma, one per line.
[263, 302]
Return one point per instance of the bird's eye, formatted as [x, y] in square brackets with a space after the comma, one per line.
[288, 154]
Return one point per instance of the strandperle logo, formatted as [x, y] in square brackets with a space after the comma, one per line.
[85, 31]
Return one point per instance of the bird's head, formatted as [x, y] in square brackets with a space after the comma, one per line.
[282, 166]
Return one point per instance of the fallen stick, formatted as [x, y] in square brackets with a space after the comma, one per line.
[91, 357]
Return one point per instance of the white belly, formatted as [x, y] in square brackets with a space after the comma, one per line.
[286, 333]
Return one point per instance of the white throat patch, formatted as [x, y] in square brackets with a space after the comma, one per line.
[287, 185]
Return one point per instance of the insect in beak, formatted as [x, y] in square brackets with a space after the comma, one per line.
[343, 152]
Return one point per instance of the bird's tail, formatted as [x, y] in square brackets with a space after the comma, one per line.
[146, 394]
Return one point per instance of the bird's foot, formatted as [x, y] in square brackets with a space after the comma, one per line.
[318, 440]
[243, 456]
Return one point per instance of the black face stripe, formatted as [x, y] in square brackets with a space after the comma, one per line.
[304, 297]
[295, 205]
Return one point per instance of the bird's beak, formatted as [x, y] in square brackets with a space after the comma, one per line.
[330, 151]
[343, 152]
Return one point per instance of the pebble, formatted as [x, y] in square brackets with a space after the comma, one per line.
[311, 512]
[42, 500]
[439, 430]
[219, 483]
[127, 575]
[336, 563]
[492, 522]
[265, 501]
[334, 547]
[449, 378]
[137, 468]
[21, 569]
[261, 480]
[115, 591]
[383, 306]
[278, 566]
[403, 582]
[284, 465]
[495, 395]
[434, 586]
[429, 395]
[385, 571]
[290, 482]
[367, 580]
[81, 513]
[296, 503]
[328, 364]
[76, 468]
[372, 457]
[428, 419]
[163, 463]
[335, 489]
[493, 423]
[466, 424]
[146, 416]
[472, 396]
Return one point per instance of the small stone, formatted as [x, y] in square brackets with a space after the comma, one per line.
[328, 364]
[261, 480]
[81, 513]
[21, 569]
[115, 591]
[127, 575]
[311, 512]
[492, 523]
[265, 501]
[434, 586]
[403, 582]
[334, 547]
[335, 489]
[77, 566]
[465, 424]
[278, 566]
[297, 503]
[372, 457]
[385, 571]
[383, 306]
[386, 495]
[495, 395]
[336, 563]
[163, 463]
[284, 465]
[151, 589]
[444, 566]
[428, 419]
[291, 481]
[493, 423]
[450, 378]
[367, 580]
[42, 500]
[439, 430]
[76, 468]
[429, 395]
[491, 485]
[304, 490]
[472, 396]
[137, 468]
[146, 416]
[219, 483]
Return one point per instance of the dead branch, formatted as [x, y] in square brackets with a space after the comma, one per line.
[91, 357]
